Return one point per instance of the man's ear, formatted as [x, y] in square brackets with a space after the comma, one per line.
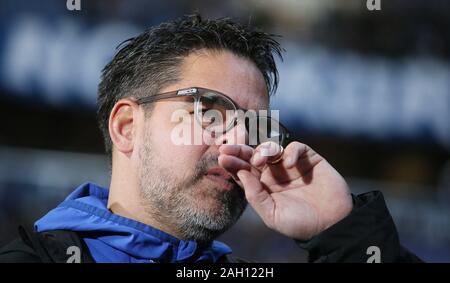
[122, 125]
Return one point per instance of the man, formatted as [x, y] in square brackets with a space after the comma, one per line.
[168, 201]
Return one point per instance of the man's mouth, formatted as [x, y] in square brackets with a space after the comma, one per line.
[221, 177]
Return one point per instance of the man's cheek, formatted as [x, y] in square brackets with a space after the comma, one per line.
[188, 156]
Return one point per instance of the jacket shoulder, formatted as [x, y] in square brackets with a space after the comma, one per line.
[18, 251]
[48, 246]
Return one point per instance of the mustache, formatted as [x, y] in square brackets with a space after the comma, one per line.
[203, 165]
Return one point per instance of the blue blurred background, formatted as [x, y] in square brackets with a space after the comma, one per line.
[369, 90]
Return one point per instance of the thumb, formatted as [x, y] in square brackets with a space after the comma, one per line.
[257, 196]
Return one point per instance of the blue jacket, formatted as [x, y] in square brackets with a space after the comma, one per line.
[113, 238]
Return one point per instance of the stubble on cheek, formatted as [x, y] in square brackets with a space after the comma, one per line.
[186, 201]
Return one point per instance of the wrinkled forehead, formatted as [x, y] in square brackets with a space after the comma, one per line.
[235, 76]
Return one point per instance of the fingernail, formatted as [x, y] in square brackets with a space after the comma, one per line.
[256, 158]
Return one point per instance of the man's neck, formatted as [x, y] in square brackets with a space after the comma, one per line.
[132, 207]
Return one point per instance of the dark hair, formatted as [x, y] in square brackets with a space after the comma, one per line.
[146, 63]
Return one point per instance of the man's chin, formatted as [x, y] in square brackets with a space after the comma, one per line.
[210, 210]
[218, 202]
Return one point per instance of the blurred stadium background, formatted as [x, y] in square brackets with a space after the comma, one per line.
[369, 90]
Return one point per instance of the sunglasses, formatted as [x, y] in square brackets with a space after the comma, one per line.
[218, 113]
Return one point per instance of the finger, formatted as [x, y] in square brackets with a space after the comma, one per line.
[258, 160]
[242, 151]
[264, 152]
[298, 161]
[292, 153]
[301, 156]
[232, 163]
[257, 196]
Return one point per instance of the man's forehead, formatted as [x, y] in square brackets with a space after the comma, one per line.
[235, 76]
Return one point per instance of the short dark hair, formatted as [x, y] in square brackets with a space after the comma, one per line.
[146, 63]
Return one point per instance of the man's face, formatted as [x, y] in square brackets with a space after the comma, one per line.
[182, 185]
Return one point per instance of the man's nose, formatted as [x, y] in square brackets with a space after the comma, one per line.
[236, 135]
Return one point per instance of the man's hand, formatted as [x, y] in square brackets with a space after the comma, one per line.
[300, 196]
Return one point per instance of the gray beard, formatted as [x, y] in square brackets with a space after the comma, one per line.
[183, 206]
